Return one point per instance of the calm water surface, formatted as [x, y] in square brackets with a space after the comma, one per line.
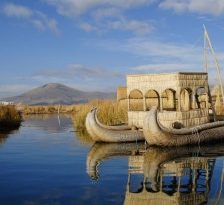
[46, 162]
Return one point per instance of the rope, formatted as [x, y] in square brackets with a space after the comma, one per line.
[196, 133]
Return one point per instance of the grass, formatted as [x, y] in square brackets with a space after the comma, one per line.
[9, 117]
[109, 113]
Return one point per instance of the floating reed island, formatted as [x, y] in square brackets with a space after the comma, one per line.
[169, 109]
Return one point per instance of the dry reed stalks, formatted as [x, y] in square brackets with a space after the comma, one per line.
[9, 117]
[109, 113]
[47, 109]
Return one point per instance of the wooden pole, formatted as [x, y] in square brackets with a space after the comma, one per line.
[205, 53]
[216, 61]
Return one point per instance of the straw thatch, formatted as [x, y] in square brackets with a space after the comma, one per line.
[161, 82]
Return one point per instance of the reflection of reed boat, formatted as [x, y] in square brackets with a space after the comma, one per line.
[173, 176]
[180, 176]
[154, 158]
[183, 100]
[103, 151]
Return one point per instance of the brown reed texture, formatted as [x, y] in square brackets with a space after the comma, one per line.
[109, 113]
[219, 105]
[121, 93]
[9, 117]
[47, 109]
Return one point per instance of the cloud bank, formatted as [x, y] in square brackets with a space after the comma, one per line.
[212, 7]
[38, 19]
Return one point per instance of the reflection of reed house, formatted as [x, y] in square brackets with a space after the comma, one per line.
[180, 97]
[177, 182]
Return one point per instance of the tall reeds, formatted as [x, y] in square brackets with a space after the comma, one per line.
[109, 113]
[9, 117]
[47, 109]
[219, 105]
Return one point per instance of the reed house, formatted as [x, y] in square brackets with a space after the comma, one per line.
[180, 97]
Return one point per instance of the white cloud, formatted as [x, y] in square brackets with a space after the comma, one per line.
[213, 7]
[106, 12]
[161, 50]
[38, 19]
[82, 77]
[135, 26]
[19, 11]
[87, 27]
[79, 7]
[8, 90]
[53, 25]
[79, 71]
[38, 24]
[104, 15]
[165, 67]
[169, 57]
[119, 24]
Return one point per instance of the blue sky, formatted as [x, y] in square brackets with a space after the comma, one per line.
[92, 44]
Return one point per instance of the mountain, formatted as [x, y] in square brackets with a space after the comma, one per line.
[55, 93]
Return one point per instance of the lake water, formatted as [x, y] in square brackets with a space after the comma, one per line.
[46, 162]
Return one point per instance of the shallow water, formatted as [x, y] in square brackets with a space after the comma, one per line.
[46, 162]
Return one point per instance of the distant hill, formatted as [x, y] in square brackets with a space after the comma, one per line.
[55, 93]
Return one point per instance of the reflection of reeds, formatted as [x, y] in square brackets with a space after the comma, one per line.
[109, 113]
[3, 137]
[84, 138]
[9, 117]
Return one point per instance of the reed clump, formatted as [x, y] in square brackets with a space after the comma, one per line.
[217, 99]
[219, 107]
[9, 117]
[109, 113]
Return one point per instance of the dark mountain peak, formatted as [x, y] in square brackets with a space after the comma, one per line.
[56, 93]
[53, 85]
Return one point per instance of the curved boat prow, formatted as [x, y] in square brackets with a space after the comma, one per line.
[156, 134]
[106, 134]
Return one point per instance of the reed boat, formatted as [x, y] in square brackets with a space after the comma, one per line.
[165, 109]
[156, 134]
[103, 133]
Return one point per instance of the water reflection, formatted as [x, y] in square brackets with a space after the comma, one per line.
[103, 151]
[164, 175]
[84, 138]
[3, 137]
[4, 134]
[40, 166]
[51, 123]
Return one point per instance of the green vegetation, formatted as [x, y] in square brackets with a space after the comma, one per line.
[9, 117]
